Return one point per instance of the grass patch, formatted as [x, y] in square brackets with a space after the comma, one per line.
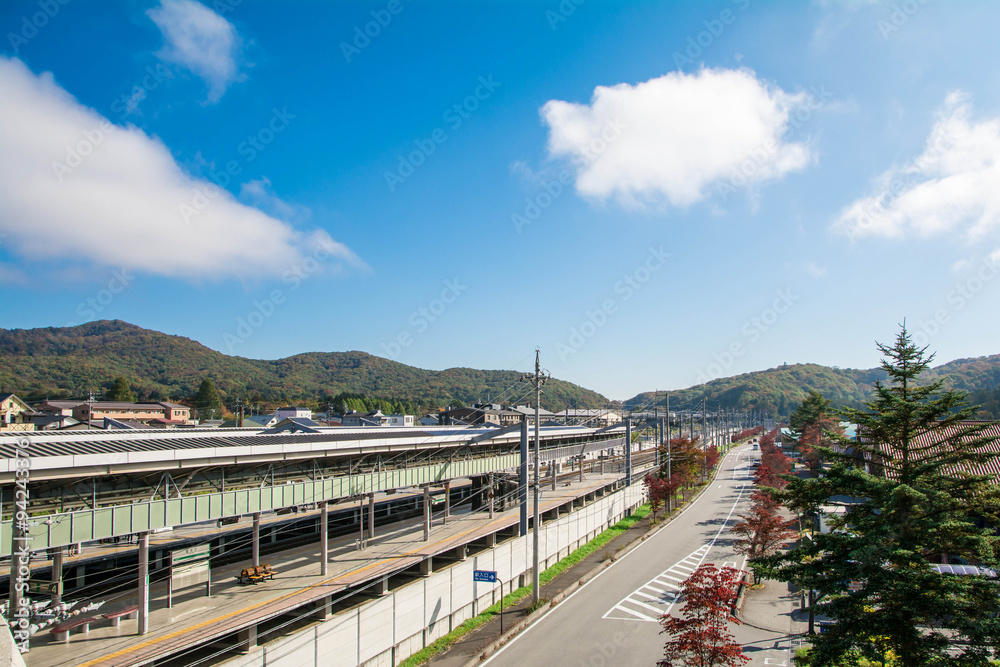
[590, 547]
[536, 605]
[513, 598]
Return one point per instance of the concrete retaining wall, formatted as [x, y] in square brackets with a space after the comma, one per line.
[385, 631]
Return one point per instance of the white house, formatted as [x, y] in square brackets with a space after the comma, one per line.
[292, 413]
[400, 420]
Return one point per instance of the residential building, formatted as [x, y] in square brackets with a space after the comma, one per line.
[52, 422]
[15, 414]
[164, 413]
[429, 420]
[481, 413]
[293, 425]
[884, 462]
[326, 419]
[595, 417]
[528, 412]
[62, 408]
[263, 421]
[293, 413]
[355, 418]
[474, 416]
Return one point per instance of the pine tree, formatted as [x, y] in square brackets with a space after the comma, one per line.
[121, 391]
[207, 400]
[814, 409]
[915, 501]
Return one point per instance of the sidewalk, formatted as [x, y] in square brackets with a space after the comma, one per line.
[775, 608]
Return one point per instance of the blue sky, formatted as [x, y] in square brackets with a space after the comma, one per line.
[653, 194]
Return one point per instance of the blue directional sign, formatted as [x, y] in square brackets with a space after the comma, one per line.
[486, 576]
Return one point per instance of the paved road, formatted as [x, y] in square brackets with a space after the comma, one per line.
[612, 620]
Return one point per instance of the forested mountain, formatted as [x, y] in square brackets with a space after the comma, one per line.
[70, 362]
[780, 390]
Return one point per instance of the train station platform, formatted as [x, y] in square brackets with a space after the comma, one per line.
[235, 611]
[108, 549]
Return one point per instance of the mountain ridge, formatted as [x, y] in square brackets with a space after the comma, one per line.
[52, 362]
[780, 389]
[58, 362]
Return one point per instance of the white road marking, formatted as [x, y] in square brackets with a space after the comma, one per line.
[679, 572]
[665, 601]
[736, 452]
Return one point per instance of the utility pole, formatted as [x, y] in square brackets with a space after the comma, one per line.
[670, 498]
[670, 474]
[90, 410]
[704, 440]
[667, 410]
[537, 380]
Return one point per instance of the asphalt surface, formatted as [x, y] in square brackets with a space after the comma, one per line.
[613, 618]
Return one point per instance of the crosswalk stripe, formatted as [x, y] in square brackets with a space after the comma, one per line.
[670, 584]
[642, 617]
[667, 585]
[652, 597]
[647, 606]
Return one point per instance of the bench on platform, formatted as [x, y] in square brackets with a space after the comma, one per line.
[251, 575]
[116, 616]
[61, 630]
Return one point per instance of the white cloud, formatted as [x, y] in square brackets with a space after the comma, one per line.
[118, 203]
[259, 194]
[961, 266]
[949, 188]
[197, 38]
[674, 136]
[815, 270]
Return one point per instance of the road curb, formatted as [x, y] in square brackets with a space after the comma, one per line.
[536, 615]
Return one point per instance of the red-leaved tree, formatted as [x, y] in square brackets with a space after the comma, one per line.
[657, 489]
[701, 637]
[661, 490]
[773, 464]
[711, 457]
[761, 531]
[764, 499]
